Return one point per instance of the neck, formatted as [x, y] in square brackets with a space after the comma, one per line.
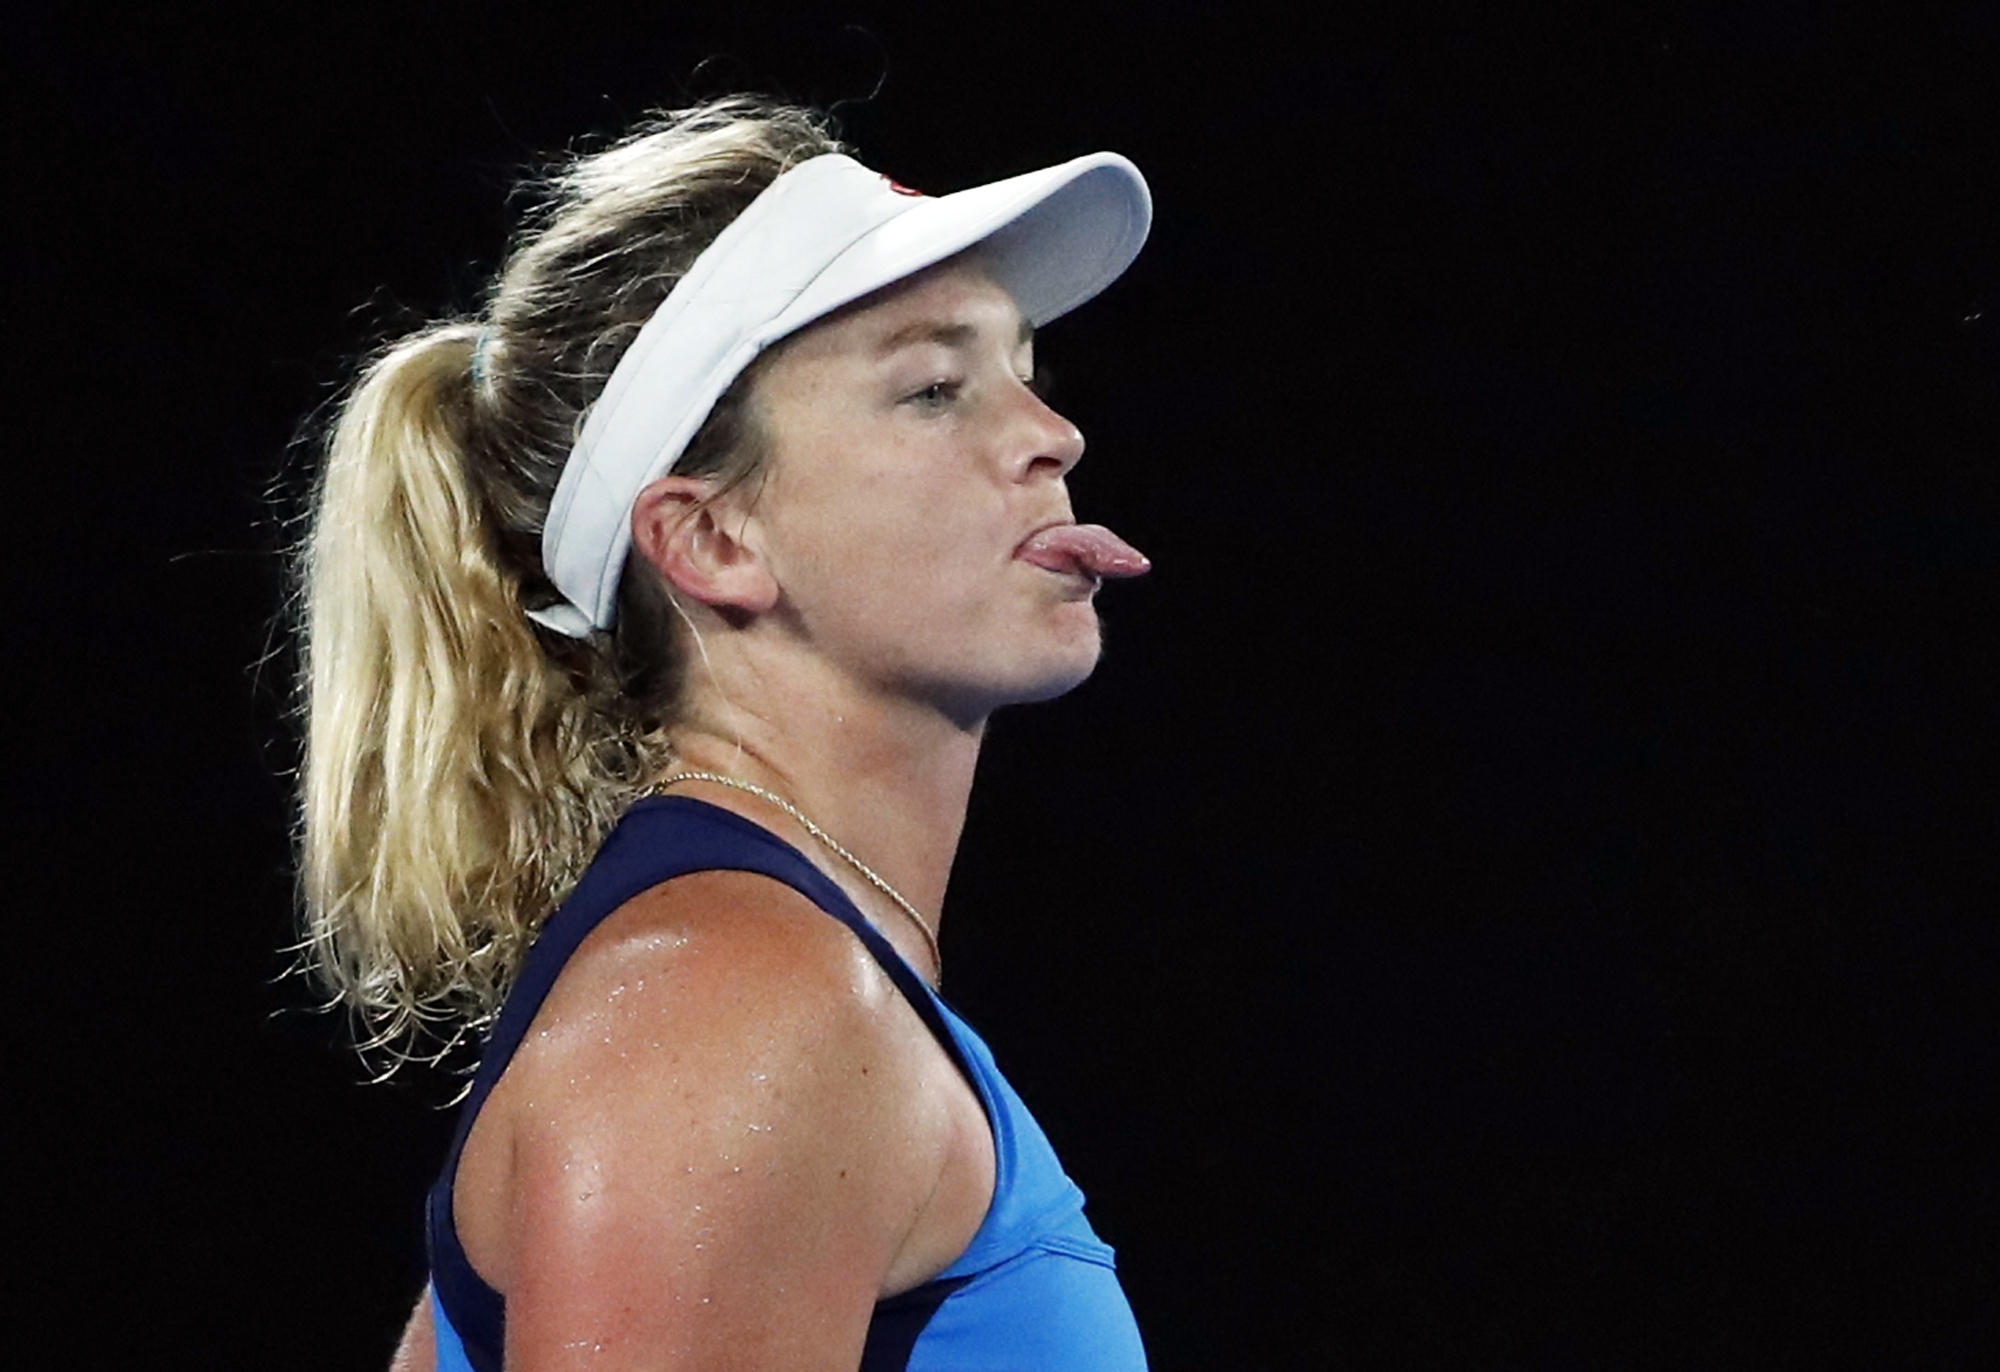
[887, 778]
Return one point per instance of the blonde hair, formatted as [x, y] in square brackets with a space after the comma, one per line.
[462, 765]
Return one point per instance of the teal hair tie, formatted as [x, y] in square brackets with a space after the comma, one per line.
[479, 347]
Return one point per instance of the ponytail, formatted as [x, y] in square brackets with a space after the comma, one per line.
[462, 766]
[441, 801]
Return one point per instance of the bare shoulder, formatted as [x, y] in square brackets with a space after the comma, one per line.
[718, 1016]
[718, 991]
[724, 1108]
[712, 951]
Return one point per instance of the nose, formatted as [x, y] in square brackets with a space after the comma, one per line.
[1050, 443]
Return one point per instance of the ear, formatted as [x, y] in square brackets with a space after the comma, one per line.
[698, 544]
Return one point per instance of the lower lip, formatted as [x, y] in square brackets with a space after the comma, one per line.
[1075, 584]
[1065, 567]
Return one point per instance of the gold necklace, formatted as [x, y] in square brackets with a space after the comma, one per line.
[867, 872]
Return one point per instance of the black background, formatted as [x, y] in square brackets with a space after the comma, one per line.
[1519, 891]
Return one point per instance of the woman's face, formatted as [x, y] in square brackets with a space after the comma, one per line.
[911, 458]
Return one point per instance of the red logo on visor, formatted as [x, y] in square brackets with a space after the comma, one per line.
[900, 189]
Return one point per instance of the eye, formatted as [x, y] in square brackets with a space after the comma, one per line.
[935, 396]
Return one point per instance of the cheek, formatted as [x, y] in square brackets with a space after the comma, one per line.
[877, 551]
[920, 521]
[886, 517]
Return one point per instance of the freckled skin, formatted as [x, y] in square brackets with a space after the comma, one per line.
[906, 480]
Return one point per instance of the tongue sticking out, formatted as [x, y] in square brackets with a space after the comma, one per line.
[1089, 549]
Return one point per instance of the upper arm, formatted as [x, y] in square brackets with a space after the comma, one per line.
[721, 1152]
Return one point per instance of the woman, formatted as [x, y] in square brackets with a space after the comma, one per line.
[678, 591]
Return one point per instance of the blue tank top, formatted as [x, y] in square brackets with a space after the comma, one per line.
[1035, 1289]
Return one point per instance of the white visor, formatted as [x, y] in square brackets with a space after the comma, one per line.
[822, 235]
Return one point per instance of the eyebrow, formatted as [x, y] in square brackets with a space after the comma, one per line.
[947, 335]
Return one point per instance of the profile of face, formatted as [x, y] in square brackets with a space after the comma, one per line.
[913, 463]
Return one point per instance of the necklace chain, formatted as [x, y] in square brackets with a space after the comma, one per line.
[833, 845]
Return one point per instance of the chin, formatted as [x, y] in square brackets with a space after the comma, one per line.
[1062, 683]
[1062, 670]
[1056, 670]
